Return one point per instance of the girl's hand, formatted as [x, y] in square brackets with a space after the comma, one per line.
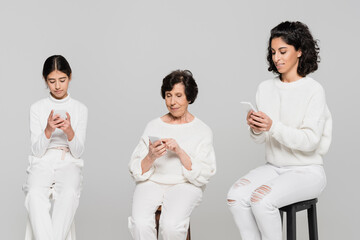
[259, 121]
[53, 122]
[66, 127]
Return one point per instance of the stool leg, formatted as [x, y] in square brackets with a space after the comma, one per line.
[312, 221]
[157, 218]
[282, 220]
[291, 224]
[188, 235]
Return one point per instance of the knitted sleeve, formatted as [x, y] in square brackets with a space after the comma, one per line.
[203, 163]
[307, 137]
[77, 144]
[138, 155]
[39, 142]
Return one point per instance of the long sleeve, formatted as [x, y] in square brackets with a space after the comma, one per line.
[195, 138]
[203, 163]
[301, 128]
[326, 138]
[77, 144]
[307, 137]
[39, 142]
[257, 137]
[138, 155]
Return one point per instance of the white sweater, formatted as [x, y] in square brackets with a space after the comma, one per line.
[195, 138]
[39, 114]
[302, 125]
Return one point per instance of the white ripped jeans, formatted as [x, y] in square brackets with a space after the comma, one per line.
[255, 199]
[177, 201]
[56, 175]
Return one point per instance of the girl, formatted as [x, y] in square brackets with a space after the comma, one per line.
[57, 127]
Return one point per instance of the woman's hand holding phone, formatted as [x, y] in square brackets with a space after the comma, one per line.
[259, 121]
[156, 148]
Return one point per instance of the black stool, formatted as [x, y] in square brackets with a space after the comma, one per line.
[291, 210]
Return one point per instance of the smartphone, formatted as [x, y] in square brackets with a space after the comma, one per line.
[248, 106]
[154, 139]
[61, 113]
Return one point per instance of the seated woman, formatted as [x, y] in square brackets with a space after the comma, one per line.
[57, 127]
[295, 124]
[172, 171]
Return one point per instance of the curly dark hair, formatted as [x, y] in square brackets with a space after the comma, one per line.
[181, 76]
[298, 35]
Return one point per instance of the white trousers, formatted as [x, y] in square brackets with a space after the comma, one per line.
[177, 201]
[52, 195]
[255, 199]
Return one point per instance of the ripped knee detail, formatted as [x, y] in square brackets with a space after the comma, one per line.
[260, 193]
[231, 202]
[241, 182]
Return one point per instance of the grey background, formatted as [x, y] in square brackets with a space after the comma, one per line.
[121, 50]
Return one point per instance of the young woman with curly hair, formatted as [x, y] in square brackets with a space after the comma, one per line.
[295, 124]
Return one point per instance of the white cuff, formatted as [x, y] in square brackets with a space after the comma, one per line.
[273, 127]
[192, 174]
[139, 176]
[256, 133]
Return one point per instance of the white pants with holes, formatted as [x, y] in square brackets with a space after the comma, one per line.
[177, 201]
[57, 180]
[258, 196]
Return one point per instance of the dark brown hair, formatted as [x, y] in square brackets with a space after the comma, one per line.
[181, 76]
[56, 62]
[298, 35]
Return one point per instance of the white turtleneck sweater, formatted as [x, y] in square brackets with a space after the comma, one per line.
[195, 138]
[302, 125]
[39, 114]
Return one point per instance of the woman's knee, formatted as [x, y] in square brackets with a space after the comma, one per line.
[66, 192]
[35, 196]
[259, 193]
[140, 224]
[260, 200]
[237, 193]
[170, 229]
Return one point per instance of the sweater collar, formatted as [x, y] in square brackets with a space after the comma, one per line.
[286, 85]
[64, 100]
[179, 125]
